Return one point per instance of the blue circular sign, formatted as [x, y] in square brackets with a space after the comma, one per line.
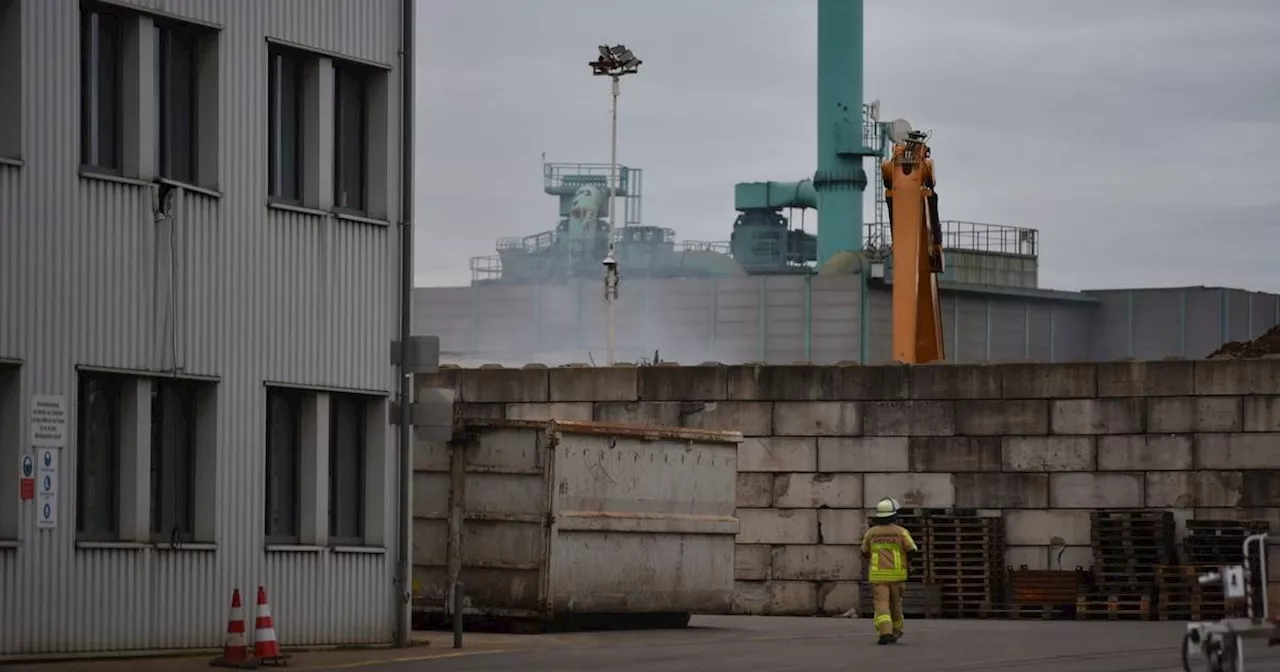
[48, 482]
[48, 458]
[28, 467]
[48, 510]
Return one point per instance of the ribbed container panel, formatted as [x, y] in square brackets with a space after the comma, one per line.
[88, 277]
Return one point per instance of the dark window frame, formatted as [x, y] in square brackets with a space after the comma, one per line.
[92, 14]
[294, 401]
[285, 182]
[357, 405]
[112, 387]
[172, 520]
[351, 81]
[171, 36]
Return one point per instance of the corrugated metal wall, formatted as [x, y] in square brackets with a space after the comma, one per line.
[1181, 321]
[265, 295]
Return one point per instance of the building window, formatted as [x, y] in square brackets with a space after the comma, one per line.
[177, 83]
[11, 78]
[284, 464]
[101, 75]
[347, 443]
[351, 146]
[285, 121]
[173, 459]
[98, 458]
[10, 439]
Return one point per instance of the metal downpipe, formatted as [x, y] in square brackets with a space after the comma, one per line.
[404, 520]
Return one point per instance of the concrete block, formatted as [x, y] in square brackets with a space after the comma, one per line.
[837, 597]
[775, 598]
[1145, 452]
[841, 526]
[1002, 491]
[1193, 414]
[817, 491]
[504, 385]
[1049, 453]
[927, 490]
[1260, 488]
[480, 411]
[777, 526]
[751, 418]
[863, 453]
[954, 453]
[1146, 379]
[817, 418]
[778, 453]
[1234, 377]
[660, 413]
[1024, 417]
[580, 411]
[1048, 381]
[752, 562]
[1097, 416]
[1237, 451]
[1113, 490]
[606, 383]
[1071, 557]
[817, 383]
[431, 456]
[1035, 558]
[817, 563]
[1038, 527]
[683, 383]
[954, 381]
[908, 418]
[1261, 414]
[755, 491]
[448, 377]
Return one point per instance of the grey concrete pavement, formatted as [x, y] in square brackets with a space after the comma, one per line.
[816, 645]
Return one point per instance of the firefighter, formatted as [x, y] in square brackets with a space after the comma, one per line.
[887, 547]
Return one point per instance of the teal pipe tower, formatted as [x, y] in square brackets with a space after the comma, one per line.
[840, 179]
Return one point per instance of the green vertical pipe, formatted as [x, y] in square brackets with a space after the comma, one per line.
[988, 328]
[840, 179]
[808, 317]
[1129, 318]
[864, 297]
[1053, 333]
[761, 321]
[1183, 317]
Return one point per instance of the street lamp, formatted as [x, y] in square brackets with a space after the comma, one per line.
[613, 62]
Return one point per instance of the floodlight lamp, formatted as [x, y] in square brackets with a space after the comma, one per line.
[604, 51]
[618, 50]
[626, 57]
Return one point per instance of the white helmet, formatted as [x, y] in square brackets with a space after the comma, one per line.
[887, 508]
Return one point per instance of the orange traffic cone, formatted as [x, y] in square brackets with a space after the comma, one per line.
[235, 652]
[265, 647]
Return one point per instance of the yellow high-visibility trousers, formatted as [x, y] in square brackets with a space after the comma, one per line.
[888, 604]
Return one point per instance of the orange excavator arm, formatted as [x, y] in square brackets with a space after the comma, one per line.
[917, 251]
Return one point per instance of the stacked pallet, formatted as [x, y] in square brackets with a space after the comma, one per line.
[1181, 597]
[1044, 594]
[1219, 542]
[1128, 547]
[965, 555]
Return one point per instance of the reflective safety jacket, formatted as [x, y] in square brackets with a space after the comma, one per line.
[886, 547]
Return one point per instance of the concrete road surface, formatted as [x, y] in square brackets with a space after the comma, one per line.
[740, 643]
[814, 645]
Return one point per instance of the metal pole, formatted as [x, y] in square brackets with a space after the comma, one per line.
[610, 288]
[611, 274]
[404, 539]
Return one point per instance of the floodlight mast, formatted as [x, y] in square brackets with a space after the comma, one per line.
[614, 62]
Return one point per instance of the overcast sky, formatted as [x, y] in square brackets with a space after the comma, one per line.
[1139, 136]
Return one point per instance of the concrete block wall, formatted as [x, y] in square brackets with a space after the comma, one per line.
[1039, 444]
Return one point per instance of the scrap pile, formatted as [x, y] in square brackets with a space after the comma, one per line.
[960, 569]
[1209, 544]
[1044, 594]
[1128, 548]
[1266, 344]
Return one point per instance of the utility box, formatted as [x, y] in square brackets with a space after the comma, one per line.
[545, 519]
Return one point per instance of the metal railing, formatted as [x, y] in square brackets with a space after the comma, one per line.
[972, 236]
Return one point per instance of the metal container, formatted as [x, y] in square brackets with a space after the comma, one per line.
[544, 519]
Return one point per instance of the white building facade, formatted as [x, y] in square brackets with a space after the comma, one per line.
[199, 261]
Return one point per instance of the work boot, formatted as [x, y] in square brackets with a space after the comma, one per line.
[885, 639]
[896, 636]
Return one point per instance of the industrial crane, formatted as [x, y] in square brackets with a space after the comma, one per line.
[917, 246]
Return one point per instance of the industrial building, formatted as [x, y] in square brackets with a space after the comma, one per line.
[198, 283]
[777, 293]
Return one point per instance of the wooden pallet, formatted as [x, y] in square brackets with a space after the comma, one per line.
[1037, 611]
[1122, 607]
